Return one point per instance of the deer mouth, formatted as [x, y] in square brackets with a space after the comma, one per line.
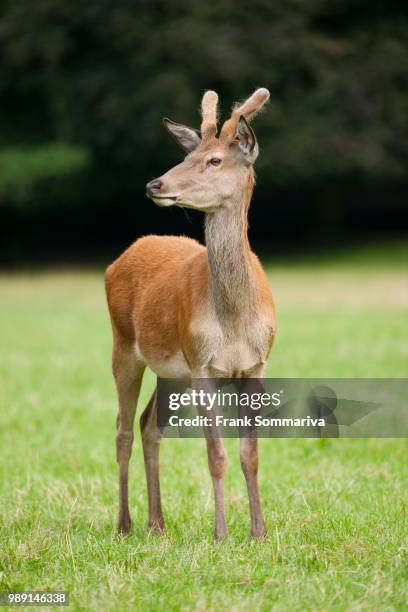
[164, 200]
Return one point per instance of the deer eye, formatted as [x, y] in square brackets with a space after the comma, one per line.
[214, 161]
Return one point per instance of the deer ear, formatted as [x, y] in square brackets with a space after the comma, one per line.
[188, 138]
[247, 140]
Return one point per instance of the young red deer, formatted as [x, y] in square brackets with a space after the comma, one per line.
[189, 311]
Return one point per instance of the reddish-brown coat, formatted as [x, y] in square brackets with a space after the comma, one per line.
[157, 287]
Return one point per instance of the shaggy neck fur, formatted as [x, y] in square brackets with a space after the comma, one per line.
[232, 283]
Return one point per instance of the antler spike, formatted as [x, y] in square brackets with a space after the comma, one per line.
[253, 104]
[247, 109]
[209, 114]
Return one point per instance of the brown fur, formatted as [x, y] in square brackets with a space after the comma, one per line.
[156, 288]
[180, 307]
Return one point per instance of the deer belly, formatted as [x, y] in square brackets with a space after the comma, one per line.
[165, 365]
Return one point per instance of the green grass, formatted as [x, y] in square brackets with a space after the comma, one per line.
[335, 509]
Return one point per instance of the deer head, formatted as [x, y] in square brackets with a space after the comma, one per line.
[217, 168]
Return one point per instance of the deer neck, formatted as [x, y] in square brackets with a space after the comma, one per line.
[231, 277]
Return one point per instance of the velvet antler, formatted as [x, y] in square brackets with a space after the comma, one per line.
[247, 109]
[209, 115]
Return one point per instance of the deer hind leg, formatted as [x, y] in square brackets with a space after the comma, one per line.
[151, 438]
[128, 374]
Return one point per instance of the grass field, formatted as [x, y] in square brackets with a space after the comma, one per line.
[335, 509]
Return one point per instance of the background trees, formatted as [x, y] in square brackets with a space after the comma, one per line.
[84, 87]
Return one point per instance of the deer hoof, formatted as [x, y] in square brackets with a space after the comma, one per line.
[124, 526]
[157, 527]
[220, 534]
[259, 532]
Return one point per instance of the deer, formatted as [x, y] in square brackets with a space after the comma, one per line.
[191, 311]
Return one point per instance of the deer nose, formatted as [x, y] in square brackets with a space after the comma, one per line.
[154, 187]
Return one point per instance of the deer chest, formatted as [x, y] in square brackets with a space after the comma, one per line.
[234, 352]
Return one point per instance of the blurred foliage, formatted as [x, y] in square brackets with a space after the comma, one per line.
[100, 75]
[23, 167]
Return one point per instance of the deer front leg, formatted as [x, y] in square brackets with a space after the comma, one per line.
[248, 447]
[217, 457]
[217, 463]
[249, 463]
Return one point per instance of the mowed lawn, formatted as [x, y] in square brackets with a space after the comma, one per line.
[335, 509]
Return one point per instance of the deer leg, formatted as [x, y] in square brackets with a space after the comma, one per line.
[217, 456]
[217, 463]
[249, 463]
[151, 438]
[248, 450]
[128, 374]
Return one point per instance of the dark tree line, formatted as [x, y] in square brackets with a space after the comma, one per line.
[84, 87]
